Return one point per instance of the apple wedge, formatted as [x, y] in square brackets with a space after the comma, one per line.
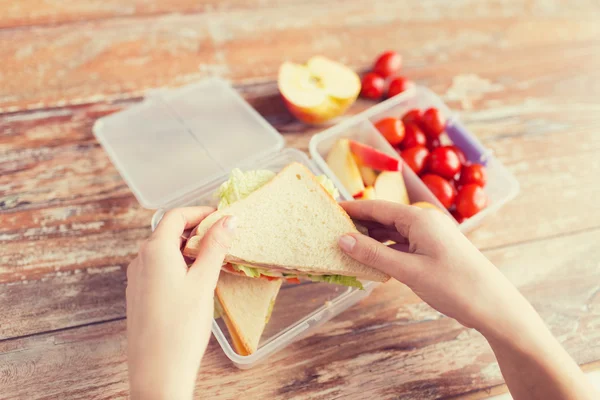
[318, 91]
[390, 186]
[368, 174]
[373, 158]
[369, 194]
[342, 163]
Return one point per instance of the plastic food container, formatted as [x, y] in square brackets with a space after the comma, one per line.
[176, 147]
[501, 187]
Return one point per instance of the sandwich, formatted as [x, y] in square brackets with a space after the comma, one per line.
[245, 304]
[288, 228]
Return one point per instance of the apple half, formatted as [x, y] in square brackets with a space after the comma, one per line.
[318, 91]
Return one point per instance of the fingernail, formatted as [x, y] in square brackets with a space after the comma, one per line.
[230, 222]
[347, 243]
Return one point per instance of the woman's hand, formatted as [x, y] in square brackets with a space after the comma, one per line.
[442, 267]
[434, 259]
[170, 306]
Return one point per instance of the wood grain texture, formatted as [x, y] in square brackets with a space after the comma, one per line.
[95, 60]
[524, 76]
[389, 345]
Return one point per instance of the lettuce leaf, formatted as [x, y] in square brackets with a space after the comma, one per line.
[328, 185]
[249, 271]
[338, 280]
[241, 184]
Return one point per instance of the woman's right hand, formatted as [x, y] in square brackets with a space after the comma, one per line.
[435, 260]
[442, 267]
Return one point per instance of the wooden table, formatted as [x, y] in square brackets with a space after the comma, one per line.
[524, 75]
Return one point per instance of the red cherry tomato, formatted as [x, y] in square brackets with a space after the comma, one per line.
[392, 129]
[372, 86]
[474, 173]
[292, 280]
[444, 162]
[415, 158]
[412, 116]
[440, 188]
[433, 143]
[460, 154]
[459, 218]
[433, 122]
[470, 200]
[388, 64]
[413, 136]
[398, 85]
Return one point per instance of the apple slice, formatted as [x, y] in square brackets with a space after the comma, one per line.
[373, 158]
[368, 174]
[369, 194]
[318, 91]
[342, 163]
[390, 186]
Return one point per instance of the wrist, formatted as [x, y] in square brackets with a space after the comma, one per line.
[517, 325]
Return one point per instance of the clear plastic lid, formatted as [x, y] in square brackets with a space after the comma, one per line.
[179, 140]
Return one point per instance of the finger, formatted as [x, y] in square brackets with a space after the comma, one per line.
[384, 234]
[400, 265]
[212, 251]
[387, 213]
[176, 221]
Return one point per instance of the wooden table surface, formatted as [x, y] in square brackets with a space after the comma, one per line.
[524, 75]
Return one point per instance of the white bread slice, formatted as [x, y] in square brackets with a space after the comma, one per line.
[246, 304]
[291, 223]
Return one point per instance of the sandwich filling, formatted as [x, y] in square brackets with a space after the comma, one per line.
[239, 186]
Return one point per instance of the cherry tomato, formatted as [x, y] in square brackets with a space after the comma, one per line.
[474, 173]
[412, 116]
[413, 136]
[392, 129]
[459, 218]
[433, 143]
[440, 188]
[372, 86]
[444, 162]
[415, 157]
[460, 154]
[470, 200]
[433, 122]
[388, 64]
[398, 85]
[292, 280]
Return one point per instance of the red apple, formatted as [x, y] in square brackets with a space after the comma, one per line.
[318, 91]
[374, 158]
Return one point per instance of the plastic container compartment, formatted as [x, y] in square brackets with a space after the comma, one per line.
[500, 188]
[175, 149]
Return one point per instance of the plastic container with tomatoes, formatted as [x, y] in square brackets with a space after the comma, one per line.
[410, 107]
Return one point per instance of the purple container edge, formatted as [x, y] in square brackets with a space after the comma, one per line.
[475, 152]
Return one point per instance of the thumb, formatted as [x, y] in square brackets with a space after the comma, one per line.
[212, 250]
[398, 264]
